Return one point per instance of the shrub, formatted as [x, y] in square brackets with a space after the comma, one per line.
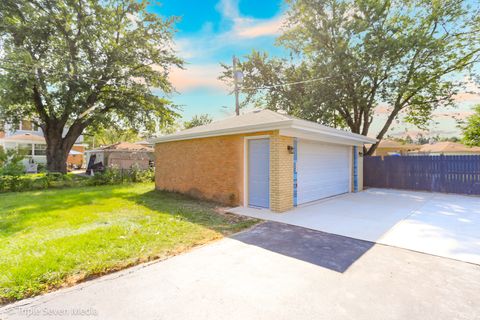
[139, 175]
[25, 182]
[113, 175]
[11, 163]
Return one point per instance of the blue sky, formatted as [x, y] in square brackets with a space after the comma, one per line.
[211, 31]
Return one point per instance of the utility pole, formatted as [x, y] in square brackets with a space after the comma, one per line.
[235, 82]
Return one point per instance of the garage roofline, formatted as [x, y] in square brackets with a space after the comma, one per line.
[288, 125]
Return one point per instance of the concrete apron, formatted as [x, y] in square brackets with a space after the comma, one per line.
[278, 272]
[445, 225]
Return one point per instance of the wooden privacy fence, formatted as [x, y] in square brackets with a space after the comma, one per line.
[450, 174]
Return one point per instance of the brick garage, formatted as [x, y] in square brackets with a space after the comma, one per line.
[75, 159]
[121, 155]
[252, 160]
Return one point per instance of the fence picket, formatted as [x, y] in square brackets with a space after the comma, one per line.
[450, 174]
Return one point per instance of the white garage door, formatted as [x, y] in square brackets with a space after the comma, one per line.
[323, 170]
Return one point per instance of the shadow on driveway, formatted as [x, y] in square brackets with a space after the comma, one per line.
[326, 250]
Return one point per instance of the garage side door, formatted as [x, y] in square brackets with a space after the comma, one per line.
[259, 173]
[323, 170]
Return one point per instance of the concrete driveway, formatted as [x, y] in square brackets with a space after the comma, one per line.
[440, 224]
[274, 271]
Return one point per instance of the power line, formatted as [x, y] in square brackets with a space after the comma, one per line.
[286, 84]
[243, 88]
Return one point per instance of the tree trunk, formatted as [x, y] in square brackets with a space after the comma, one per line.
[372, 149]
[56, 154]
[58, 146]
[384, 130]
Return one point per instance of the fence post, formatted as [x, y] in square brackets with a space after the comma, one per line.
[442, 173]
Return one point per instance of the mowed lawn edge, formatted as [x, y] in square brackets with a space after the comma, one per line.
[55, 238]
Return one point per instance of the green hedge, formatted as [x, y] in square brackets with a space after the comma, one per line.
[18, 183]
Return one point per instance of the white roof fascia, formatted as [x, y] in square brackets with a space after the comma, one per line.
[303, 134]
[23, 141]
[283, 124]
[324, 130]
[286, 125]
[109, 150]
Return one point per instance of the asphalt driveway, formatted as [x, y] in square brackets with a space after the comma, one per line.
[274, 271]
[446, 225]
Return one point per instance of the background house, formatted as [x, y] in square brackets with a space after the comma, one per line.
[28, 137]
[33, 146]
[446, 148]
[145, 143]
[391, 147]
[122, 155]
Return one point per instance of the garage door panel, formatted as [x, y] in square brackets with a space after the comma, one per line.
[323, 170]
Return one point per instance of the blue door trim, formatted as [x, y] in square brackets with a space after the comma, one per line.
[355, 169]
[295, 185]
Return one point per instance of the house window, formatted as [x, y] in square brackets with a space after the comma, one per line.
[25, 148]
[40, 149]
[10, 145]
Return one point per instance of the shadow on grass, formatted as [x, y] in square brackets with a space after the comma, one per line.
[334, 252]
[208, 214]
[21, 210]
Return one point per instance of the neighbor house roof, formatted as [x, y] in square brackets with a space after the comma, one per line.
[446, 146]
[391, 144]
[144, 142]
[123, 146]
[24, 137]
[266, 120]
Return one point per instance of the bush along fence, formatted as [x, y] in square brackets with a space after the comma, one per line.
[449, 174]
[26, 182]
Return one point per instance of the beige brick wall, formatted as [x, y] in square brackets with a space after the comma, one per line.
[207, 168]
[281, 173]
[213, 168]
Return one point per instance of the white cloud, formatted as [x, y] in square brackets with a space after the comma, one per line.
[197, 76]
[259, 28]
[469, 97]
[228, 9]
[241, 31]
[201, 50]
[247, 27]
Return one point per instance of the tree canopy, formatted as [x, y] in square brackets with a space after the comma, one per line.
[471, 130]
[350, 58]
[105, 136]
[198, 120]
[68, 65]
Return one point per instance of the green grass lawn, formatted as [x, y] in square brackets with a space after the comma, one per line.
[53, 238]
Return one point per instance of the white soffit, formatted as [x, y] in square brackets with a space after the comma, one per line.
[266, 120]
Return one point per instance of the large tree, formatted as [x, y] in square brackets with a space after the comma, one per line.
[71, 64]
[349, 57]
[471, 130]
